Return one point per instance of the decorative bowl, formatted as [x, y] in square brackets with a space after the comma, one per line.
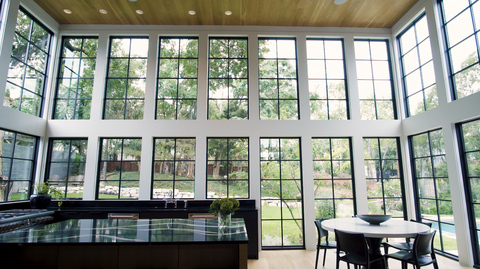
[374, 219]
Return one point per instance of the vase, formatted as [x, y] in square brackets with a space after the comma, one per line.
[40, 201]
[224, 222]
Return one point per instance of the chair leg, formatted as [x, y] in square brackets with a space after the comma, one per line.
[324, 256]
[316, 258]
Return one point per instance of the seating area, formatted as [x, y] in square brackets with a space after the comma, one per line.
[363, 249]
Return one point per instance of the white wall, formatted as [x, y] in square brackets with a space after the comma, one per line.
[444, 116]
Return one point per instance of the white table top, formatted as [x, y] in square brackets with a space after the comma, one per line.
[388, 229]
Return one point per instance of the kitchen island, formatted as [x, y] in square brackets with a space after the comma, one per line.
[127, 243]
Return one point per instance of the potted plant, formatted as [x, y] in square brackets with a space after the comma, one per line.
[224, 208]
[43, 196]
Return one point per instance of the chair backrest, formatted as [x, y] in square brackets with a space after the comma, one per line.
[321, 232]
[352, 243]
[423, 243]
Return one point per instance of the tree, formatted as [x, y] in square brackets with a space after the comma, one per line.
[467, 82]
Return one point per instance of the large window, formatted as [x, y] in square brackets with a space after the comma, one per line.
[177, 79]
[374, 80]
[278, 90]
[227, 168]
[174, 168]
[470, 146]
[17, 165]
[66, 165]
[281, 192]
[385, 188]
[28, 65]
[228, 79]
[333, 178]
[432, 187]
[119, 168]
[326, 80]
[126, 76]
[75, 79]
[461, 28]
[418, 74]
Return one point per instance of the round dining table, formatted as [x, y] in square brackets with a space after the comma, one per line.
[392, 228]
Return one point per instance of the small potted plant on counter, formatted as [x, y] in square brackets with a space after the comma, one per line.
[224, 208]
[43, 196]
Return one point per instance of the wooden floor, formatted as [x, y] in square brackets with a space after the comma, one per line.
[305, 259]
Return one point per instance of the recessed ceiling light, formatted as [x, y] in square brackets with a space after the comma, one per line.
[228, 13]
[191, 12]
[103, 11]
[132, 0]
[138, 11]
[68, 11]
[339, 2]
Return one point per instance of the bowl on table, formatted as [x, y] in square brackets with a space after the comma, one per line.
[374, 219]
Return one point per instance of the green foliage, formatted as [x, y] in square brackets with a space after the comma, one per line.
[224, 206]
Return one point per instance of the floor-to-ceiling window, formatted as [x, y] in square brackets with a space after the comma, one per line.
[469, 134]
[461, 25]
[65, 167]
[126, 78]
[277, 84]
[18, 157]
[385, 187]
[177, 79]
[27, 72]
[281, 192]
[173, 168]
[333, 178]
[374, 79]
[327, 80]
[418, 75]
[432, 188]
[227, 168]
[228, 79]
[119, 168]
[73, 97]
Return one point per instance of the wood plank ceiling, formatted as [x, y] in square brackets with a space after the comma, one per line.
[312, 13]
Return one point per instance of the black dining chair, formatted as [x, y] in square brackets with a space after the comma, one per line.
[325, 244]
[422, 253]
[407, 245]
[352, 248]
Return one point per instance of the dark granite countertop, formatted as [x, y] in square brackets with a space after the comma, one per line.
[148, 231]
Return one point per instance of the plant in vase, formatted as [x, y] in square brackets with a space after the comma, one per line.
[43, 196]
[224, 208]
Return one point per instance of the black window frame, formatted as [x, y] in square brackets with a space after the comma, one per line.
[48, 166]
[282, 219]
[470, 203]
[278, 99]
[403, 75]
[228, 160]
[419, 216]
[392, 84]
[47, 63]
[345, 79]
[228, 78]
[59, 78]
[34, 163]
[448, 48]
[158, 78]
[99, 165]
[128, 77]
[382, 177]
[174, 161]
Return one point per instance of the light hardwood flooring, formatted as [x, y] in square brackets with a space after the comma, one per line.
[305, 259]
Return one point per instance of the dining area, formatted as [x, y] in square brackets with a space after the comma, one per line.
[377, 237]
[372, 241]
